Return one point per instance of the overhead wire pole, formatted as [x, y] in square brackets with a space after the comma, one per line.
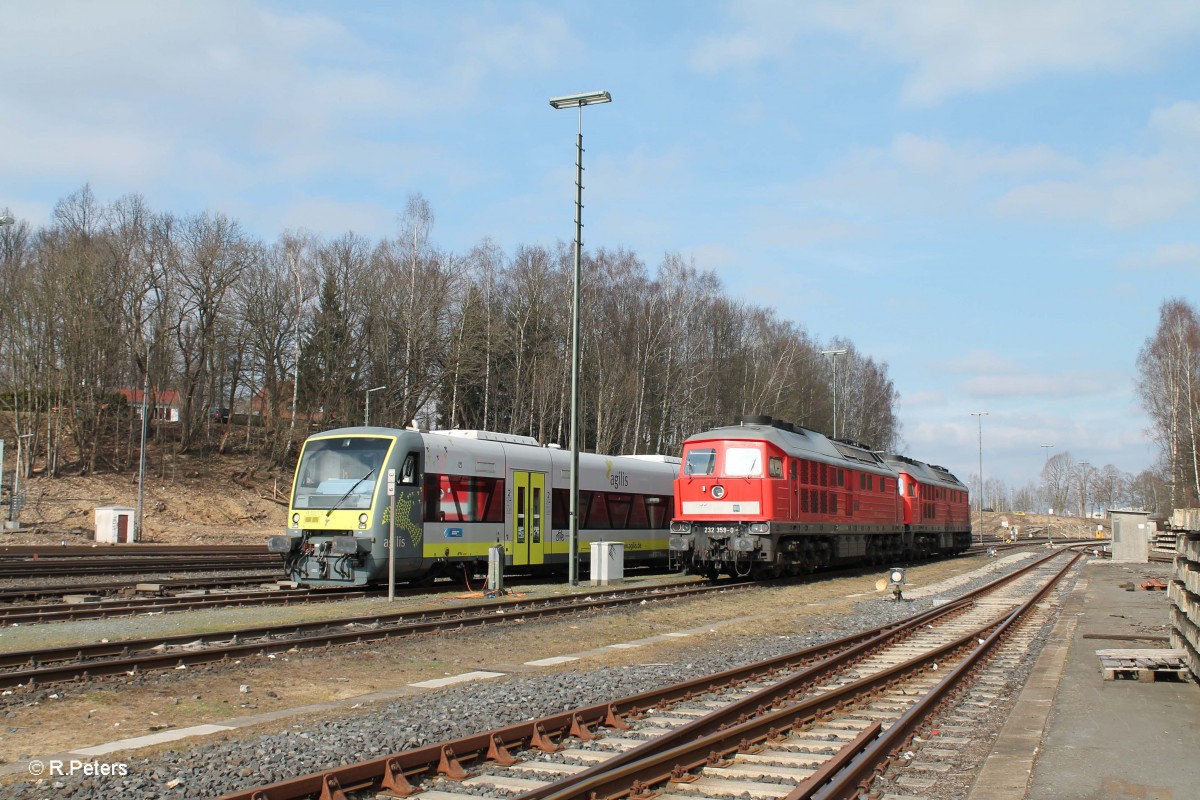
[577, 101]
[980, 415]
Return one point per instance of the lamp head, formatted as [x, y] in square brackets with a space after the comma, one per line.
[581, 99]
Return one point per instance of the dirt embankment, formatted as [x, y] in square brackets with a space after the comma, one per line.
[186, 500]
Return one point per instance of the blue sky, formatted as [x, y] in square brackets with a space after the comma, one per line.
[993, 198]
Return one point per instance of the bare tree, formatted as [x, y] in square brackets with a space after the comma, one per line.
[1169, 367]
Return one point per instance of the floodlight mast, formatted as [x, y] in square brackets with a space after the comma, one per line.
[576, 101]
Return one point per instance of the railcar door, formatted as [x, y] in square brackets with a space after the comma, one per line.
[528, 519]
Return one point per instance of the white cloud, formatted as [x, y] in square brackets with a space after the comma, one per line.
[926, 175]
[1058, 384]
[913, 174]
[1164, 256]
[226, 95]
[1124, 191]
[953, 47]
[927, 399]
[975, 362]
[984, 375]
[1178, 122]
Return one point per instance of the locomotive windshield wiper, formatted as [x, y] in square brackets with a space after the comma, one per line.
[349, 491]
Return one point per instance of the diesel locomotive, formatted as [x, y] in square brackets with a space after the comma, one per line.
[765, 498]
[457, 494]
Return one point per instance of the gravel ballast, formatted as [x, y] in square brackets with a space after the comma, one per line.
[216, 768]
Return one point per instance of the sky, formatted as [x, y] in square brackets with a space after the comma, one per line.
[992, 198]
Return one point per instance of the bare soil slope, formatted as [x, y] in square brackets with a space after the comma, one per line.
[187, 500]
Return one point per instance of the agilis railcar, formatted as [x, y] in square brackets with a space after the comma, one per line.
[457, 494]
[765, 498]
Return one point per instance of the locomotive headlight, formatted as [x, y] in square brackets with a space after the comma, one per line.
[681, 527]
[296, 520]
[760, 527]
[362, 520]
[718, 492]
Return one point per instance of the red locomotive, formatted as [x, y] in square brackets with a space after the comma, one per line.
[764, 498]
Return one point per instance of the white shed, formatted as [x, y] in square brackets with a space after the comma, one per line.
[114, 524]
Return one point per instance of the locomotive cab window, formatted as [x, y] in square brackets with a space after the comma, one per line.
[700, 462]
[743, 462]
[340, 472]
[775, 467]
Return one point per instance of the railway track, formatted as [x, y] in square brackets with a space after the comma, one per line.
[38, 566]
[28, 594]
[132, 606]
[130, 656]
[821, 722]
[52, 551]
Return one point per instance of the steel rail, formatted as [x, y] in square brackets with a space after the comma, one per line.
[137, 549]
[850, 780]
[38, 568]
[450, 757]
[392, 772]
[103, 609]
[11, 596]
[110, 658]
[636, 778]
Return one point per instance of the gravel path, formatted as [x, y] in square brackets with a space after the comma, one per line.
[217, 768]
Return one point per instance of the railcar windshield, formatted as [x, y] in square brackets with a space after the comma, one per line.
[331, 469]
[743, 462]
[700, 462]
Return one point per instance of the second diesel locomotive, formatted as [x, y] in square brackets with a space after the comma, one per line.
[458, 493]
[765, 498]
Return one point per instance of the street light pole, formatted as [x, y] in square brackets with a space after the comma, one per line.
[979, 415]
[576, 101]
[833, 354]
[367, 410]
[1045, 471]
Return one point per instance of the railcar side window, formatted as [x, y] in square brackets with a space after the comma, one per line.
[463, 498]
[775, 467]
[743, 462]
[700, 462]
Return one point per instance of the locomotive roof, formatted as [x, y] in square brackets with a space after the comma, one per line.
[925, 473]
[800, 442]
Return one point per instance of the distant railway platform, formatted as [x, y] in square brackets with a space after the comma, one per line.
[1074, 735]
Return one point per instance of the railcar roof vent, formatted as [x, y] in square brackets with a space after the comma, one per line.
[785, 426]
[754, 419]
